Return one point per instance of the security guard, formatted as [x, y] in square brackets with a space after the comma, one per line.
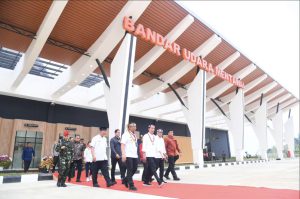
[65, 149]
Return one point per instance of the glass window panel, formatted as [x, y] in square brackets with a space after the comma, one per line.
[37, 159]
[21, 133]
[31, 134]
[18, 150]
[20, 139]
[39, 140]
[31, 140]
[39, 135]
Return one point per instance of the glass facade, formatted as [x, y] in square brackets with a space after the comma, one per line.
[23, 137]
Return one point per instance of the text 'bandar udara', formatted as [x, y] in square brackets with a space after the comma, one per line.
[157, 39]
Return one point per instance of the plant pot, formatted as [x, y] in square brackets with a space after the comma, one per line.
[5, 164]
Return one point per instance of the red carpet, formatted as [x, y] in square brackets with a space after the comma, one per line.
[195, 191]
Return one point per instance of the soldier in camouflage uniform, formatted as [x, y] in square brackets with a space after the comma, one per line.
[65, 149]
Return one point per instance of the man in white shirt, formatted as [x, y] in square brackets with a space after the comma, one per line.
[150, 149]
[129, 154]
[161, 154]
[88, 159]
[99, 145]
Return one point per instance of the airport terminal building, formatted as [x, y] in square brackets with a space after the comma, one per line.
[79, 65]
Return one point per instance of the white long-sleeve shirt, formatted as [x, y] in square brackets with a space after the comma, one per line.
[149, 145]
[88, 155]
[160, 147]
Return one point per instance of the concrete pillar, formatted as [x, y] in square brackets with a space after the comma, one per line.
[277, 133]
[195, 115]
[117, 97]
[289, 135]
[260, 129]
[236, 124]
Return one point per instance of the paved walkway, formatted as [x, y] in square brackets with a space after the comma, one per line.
[275, 174]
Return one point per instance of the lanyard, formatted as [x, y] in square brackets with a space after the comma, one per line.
[133, 138]
[152, 141]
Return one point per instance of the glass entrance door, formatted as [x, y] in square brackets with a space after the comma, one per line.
[23, 137]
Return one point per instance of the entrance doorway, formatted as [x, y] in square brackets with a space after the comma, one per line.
[36, 140]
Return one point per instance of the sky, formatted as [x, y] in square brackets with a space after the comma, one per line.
[266, 32]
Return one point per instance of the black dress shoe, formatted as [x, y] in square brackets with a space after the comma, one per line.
[160, 183]
[63, 185]
[147, 184]
[78, 180]
[126, 184]
[109, 184]
[113, 182]
[58, 184]
[96, 185]
[132, 188]
[167, 177]
[176, 179]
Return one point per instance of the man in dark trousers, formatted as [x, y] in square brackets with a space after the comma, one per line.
[130, 154]
[150, 149]
[99, 145]
[161, 154]
[65, 149]
[115, 155]
[172, 152]
[27, 155]
[78, 156]
[71, 172]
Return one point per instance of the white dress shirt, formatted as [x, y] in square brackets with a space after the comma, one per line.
[149, 145]
[160, 147]
[130, 141]
[87, 154]
[99, 144]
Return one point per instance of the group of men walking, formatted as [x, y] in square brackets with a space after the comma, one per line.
[125, 151]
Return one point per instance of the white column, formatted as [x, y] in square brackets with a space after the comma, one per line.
[236, 123]
[289, 135]
[260, 129]
[118, 96]
[277, 133]
[195, 115]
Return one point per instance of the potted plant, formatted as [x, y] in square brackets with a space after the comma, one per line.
[5, 162]
[46, 164]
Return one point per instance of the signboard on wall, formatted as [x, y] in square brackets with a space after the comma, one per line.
[31, 125]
